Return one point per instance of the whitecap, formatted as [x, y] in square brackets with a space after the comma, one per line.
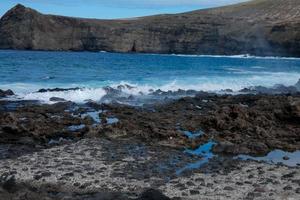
[244, 56]
[77, 96]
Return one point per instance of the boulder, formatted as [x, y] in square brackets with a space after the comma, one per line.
[57, 90]
[153, 194]
[225, 147]
[297, 85]
[56, 99]
[6, 93]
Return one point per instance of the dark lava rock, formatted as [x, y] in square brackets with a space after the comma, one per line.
[277, 89]
[125, 86]
[285, 158]
[239, 124]
[297, 85]
[297, 181]
[259, 189]
[46, 174]
[57, 90]
[8, 183]
[253, 195]
[227, 90]
[288, 187]
[194, 192]
[246, 90]
[153, 194]
[76, 184]
[56, 99]
[228, 188]
[190, 183]
[6, 93]
[37, 124]
[225, 148]
[37, 176]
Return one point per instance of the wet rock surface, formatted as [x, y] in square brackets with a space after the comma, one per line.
[239, 124]
[36, 123]
[247, 124]
[113, 151]
[6, 93]
[57, 90]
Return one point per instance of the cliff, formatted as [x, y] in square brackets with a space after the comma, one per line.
[259, 27]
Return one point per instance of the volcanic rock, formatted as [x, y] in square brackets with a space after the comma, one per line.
[56, 99]
[5, 93]
[152, 194]
[57, 90]
[297, 85]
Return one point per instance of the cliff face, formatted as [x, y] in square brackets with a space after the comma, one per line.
[259, 27]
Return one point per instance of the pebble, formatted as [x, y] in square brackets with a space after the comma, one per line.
[288, 187]
[228, 188]
[194, 192]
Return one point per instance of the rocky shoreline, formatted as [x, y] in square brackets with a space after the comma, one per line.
[184, 149]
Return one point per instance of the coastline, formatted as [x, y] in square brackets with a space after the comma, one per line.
[221, 30]
[140, 79]
[246, 56]
[203, 104]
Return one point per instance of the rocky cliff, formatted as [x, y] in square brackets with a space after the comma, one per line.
[259, 27]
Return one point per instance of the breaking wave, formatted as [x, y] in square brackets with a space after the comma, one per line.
[246, 56]
[98, 76]
[91, 92]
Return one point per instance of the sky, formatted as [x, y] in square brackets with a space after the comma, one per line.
[112, 9]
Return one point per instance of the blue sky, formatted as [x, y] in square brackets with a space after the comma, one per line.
[109, 9]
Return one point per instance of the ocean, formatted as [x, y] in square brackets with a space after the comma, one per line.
[25, 72]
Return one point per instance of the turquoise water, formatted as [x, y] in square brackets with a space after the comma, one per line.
[193, 135]
[204, 151]
[26, 72]
[276, 157]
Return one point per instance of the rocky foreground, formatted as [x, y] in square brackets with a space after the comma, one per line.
[103, 169]
[258, 27]
[112, 151]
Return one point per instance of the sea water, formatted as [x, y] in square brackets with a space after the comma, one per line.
[25, 72]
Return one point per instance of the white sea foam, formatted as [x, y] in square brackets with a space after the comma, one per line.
[257, 67]
[95, 91]
[215, 84]
[234, 69]
[77, 96]
[246, 56]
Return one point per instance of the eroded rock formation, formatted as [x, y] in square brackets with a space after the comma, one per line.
[259, 27]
